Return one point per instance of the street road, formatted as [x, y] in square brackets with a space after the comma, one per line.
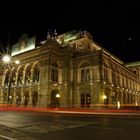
[52, 126]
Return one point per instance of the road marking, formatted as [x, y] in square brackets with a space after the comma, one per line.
[112, 128]
[7, 138]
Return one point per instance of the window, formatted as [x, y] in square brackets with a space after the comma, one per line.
[84, 72]
[54, 75]
[84, 75]
[54, 72]
[118, 79]
[106, 74]
[123, 82]
[113, 77]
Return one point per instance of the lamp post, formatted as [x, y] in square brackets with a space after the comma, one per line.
[105, 98]
[57, 97]
[7, 60]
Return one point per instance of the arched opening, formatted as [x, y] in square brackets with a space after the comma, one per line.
[85, 100]
[36, 73]
[55, 98]
[5, 97]
[135, 71]
[26, 98]
[6, 81]
[28, 74]
[35, 98]
[13, 77]
[18, 98]
[20, 75]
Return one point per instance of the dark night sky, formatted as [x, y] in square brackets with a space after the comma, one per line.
[114, 24]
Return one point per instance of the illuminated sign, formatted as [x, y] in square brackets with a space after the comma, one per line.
[23, 45]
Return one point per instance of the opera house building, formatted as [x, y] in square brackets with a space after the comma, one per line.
[68, 70]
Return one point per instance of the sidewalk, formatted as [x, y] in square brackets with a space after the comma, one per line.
[72, 110]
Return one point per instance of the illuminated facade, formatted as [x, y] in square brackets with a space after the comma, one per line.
[69, 70]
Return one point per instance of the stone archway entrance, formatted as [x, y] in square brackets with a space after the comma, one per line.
[85, 100]
[18, 98]
[35, 98]
[26, 98]
[55, 99]
[5, 97]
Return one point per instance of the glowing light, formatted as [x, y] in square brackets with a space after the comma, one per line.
[10, 97]
[137, 63]
[55, 84]
[6, 59]
[19, 48]
[104, 97]
[17, 62]
[68, 39]
[57, 95]
[118, 104]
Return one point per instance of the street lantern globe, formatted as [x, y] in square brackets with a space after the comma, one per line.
[104, 97]
[17, 62]
[6, 59]
[57, 95]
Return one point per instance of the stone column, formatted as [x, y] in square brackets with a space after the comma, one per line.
[32, 73]
[44, 82]
[30, 96]
[16, 78]
[23, 78]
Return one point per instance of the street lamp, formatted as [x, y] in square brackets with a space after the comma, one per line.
[57, 99]
[7, 60]
[105, 99]
[57, 95]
